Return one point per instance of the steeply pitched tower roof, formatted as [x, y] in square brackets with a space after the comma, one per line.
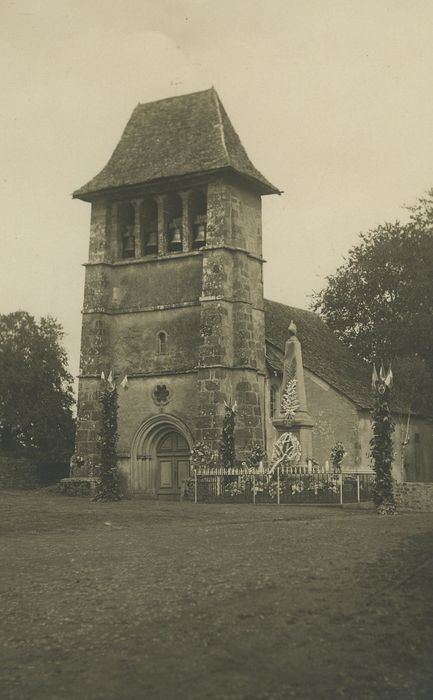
[185, 135]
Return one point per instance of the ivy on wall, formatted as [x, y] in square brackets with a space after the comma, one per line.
[108, 487]
[227, 450]
[382, 452]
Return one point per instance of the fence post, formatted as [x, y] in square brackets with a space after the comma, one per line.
[341, 489]
[195, 487]
[358, 490]
[278, 485]
[254, 489]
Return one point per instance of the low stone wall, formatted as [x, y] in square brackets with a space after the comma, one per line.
[18, 472]
[78, 486]
[414, 496]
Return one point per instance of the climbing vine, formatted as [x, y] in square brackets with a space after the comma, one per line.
[382, 452]
[108, 487]
[227, 448]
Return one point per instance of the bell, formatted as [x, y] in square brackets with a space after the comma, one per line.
[177, 237]
[200, 235]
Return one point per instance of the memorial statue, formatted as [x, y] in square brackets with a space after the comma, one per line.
[301, 425]
[293, 367]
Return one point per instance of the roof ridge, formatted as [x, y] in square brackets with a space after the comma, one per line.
[220, 123]
[296, 308]
[174, 97]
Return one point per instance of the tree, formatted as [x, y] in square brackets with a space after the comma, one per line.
[35, 390]
[380, 302]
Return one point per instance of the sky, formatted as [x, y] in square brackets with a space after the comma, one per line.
[332, 100]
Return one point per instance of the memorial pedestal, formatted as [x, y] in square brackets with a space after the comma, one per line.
[302, 427]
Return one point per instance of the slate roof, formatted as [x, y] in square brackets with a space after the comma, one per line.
[325, 356]
[185, 135]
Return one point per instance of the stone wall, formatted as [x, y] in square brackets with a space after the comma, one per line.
[141, 401]
[246, 387]
[335, 419]
[88, 424]
[417, 453]
[246, 219]
[231, 360]
[99, 223]
[414, 496]
[134, 285]
[133, 346]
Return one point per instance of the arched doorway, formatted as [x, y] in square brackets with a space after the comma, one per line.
[160, 457]
[173, 464]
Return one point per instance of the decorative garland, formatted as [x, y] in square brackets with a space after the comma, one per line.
[227, 449]
[108, 488]
[289, 401]
[202, 456]
[254, 458]
[286, 452]
[338, 453]
[382, 452]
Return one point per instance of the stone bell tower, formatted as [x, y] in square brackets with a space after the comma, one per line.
[173, 296]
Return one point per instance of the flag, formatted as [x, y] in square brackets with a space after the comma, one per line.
[389, 379]
[124, 382]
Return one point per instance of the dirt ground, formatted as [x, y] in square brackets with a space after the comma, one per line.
[144, 599]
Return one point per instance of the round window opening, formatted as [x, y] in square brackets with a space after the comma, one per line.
[161, 394]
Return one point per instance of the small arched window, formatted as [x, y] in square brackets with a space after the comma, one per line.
[273, 400]
[161, 343]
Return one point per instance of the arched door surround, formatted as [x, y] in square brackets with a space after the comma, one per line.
[160, 456]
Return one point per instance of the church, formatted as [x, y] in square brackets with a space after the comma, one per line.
[174, 309]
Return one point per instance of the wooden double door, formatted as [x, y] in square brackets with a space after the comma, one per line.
[173, 460]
